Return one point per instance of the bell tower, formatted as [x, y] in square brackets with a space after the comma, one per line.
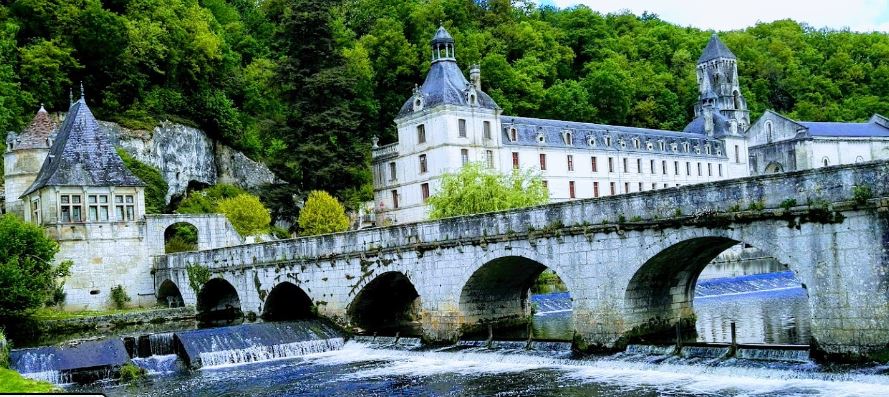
[718, 85]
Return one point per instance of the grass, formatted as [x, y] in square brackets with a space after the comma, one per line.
[13, 382]
[55, 314]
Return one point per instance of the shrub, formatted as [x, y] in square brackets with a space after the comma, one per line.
[788, 203]
[246, 213]
[129, 372]
[155, 186]
[756, 206]
[197, 276]
[119, 296]
[322, 214]
[180, 237]
[205, 201]
[860, 194]
[734, 207]
[28, 277]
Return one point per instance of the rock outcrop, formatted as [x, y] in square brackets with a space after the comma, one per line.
[186, 155]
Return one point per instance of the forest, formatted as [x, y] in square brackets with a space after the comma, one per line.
[303, 85]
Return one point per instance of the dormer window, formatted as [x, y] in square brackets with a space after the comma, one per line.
[707, 149]
[418, 103]
[649, 145]
[674, 147]
[540, 137]
[698, 149]
[591, 140]
[685, 147]
[662, 145]
[568, 137]
[473, 99]
[623, 144]
[513, 134]
[636, 143]
[607, 141]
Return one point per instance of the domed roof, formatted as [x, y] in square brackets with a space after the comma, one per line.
[721, 125]
[442, 36]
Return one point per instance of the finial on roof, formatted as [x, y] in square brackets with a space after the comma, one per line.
[70, 96]
[82, 94]
[42, 109]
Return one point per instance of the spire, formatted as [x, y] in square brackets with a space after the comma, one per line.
[715, 49]
[442, 45]
[70, 97]
[82, 94]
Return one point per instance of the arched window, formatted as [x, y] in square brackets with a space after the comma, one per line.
[608, 141]
[591, 140]
[737, 96]
[636, 143]
[769, 131]
[826, 161]
[568, 138]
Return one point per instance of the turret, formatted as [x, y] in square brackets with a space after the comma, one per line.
[24, 156]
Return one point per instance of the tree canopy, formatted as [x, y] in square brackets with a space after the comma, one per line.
[303, 85]
[322, 214]
[476, 189]
[28, 277]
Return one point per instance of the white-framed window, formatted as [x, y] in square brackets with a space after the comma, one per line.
[421, 133]
[392, 172]
[461, 128]
[489, 155]
[636, 143]
[70, 208]
[98, 208]
[423, 166]
[35, 211]
[464, 156]
[568, 138]
[607, 141]
[591, 140]
[486, 129]
[513, 134]
[541, 138]
[125, 207]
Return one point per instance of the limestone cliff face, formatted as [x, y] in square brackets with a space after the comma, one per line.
[185, 155]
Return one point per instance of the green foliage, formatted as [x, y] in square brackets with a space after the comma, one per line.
[119, 297]
[547, 282]
[130, 372]
[198, 275]
[476, 189]
[636, 218]
[246, 213]
[13, 382]
[155, 186]
[756, 206]
[322, 214]
[28, 276]
[205, 201]
[4, 350]
[180, 237]
[860, 194]
[788, 203]
[736, 207]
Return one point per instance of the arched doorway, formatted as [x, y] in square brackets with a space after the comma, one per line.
[218, 300]
[514, 296]
[774, 168]
[168, 295]
[768, 306]
[287, 302]
[386, 305]
[180, 237]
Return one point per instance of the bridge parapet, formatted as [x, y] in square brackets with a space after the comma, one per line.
[818, 187]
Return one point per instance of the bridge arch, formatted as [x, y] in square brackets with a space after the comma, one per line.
[218, 300]
[497, 292]
[286, 301]
[168, 294]
[387, 304]
[662, 290]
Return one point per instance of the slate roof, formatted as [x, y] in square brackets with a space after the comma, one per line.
[715, 49]
[834, 129]
[721, 125]
[528, 130]
[82, 155]
[445, 84]
[37, 133]
[442, 36]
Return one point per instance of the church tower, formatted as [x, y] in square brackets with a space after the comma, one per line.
[718, 85]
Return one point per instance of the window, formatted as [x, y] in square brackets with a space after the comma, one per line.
[546, 186]
[595, 189]
[608, 141]
[513, 134]
[653, 170]
[626, 187]
[707, 149]
[489, 156]
[720, 170]
[676, 167]
[768, 131]
[610, 164]
[540, 137]
[423, 167]
[639, 166]
[98, 208]
[699, 170]
[570, 163]
[709, 169]
[665, 186]
[636, 143]
[626, 167]
[125, 207]
[569, 139]
[424, 190]
[737, 154]
[487, 129]
[654, 186]
[687, 168]
[395, 199]
[461, 127]
[464, 156]
[515, 160]
[826, 161]
[640, 186]
[392, 175]
[664, 167]
[613, 188]
[421, 133]
[593, 162]
[685, 147]
[542, 161]
[71, 207]
[571, 189]
[662, 145]
[35, 211]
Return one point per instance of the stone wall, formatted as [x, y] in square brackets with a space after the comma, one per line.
[629, 261]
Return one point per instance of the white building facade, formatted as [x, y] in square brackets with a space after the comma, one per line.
[450, 121]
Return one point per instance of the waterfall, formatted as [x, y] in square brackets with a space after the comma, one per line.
[87, 360]
[161, 344]
[704, 352]
[40, 366]
[257, 353]
[651, 350]
[774, 354]
[159, 364]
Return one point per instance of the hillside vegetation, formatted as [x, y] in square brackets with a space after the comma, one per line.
[303, 85]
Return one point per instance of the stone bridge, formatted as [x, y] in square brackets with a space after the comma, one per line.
[630, 262]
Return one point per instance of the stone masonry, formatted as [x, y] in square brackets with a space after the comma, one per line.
[630, 261]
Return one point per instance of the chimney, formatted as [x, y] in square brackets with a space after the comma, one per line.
[475, 76]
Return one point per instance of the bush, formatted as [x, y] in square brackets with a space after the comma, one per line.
[28, 277]
[246, 213]
[197, 276]
[322, 214]
[788, 203]
[756, 206]
[180, 237]
[477, 189]
[119, 296]
[205, 201]
[860, 194]
[129, 372]
[155, 186]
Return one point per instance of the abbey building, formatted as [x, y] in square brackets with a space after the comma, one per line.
[450, 121]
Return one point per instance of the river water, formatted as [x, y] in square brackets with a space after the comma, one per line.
[765, 308]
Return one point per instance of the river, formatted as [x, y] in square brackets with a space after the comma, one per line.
[766, 309]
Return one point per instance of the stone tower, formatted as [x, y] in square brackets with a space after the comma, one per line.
[719, 88]
[24, 156]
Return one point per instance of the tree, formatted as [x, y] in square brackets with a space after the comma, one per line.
[27, 273]
[476, 189]
[322, 214]
[155, 186]
[205, 201]
[246, 213]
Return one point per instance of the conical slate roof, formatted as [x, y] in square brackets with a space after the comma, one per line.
[442, 36]
[37, 133]
[82, 155]
[715, 49]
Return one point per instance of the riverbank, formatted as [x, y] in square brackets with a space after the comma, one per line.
[12, 382]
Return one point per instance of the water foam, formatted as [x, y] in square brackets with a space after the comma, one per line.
[259, 353]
